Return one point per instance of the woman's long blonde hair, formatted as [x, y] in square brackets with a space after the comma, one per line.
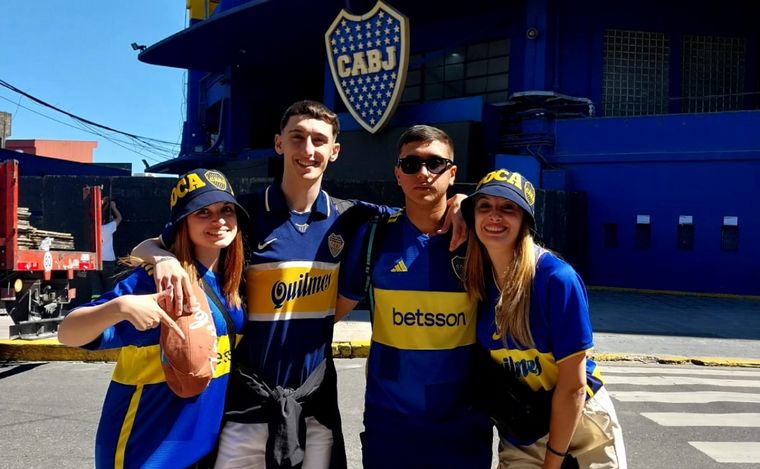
[513, 307]
[230, 262]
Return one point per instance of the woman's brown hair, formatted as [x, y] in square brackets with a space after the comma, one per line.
[230, 262]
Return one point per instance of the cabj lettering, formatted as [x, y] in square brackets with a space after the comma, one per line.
[362, 63]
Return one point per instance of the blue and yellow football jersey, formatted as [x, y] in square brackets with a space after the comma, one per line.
[143, 423]
[292, 283]
[559, 323]
[423, 325]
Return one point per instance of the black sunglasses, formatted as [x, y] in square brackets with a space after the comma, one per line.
[435, 164]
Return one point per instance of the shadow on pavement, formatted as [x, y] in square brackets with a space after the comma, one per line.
[15, 369]
[662, 314]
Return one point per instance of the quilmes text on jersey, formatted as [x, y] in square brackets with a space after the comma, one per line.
[305, 285]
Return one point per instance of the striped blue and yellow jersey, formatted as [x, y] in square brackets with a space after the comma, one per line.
[423, 325]
[559, 322]
[291, 279]
[143, 423]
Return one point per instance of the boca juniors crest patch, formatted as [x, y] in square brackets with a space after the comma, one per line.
[335, 243]
[368, 56]
[457, 264]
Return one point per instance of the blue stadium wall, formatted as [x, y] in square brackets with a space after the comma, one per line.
[702, 165]
[706, 166]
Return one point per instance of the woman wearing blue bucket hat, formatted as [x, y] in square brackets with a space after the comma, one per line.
[164, 405]
[533, 321]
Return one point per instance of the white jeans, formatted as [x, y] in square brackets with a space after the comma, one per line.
[243, 445]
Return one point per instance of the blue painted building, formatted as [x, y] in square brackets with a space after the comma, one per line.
[649, 108]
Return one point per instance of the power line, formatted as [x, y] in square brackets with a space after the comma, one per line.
[79, 118]
[167, 153]
[76, 117]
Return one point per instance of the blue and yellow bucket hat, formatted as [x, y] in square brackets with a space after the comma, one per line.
[193, 191]
[506, 184]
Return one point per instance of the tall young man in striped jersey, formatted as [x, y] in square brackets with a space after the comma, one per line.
[282, 408]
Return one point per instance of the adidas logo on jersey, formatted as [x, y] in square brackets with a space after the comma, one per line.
[400, 267]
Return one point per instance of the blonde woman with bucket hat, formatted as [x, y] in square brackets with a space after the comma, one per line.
[533, 321]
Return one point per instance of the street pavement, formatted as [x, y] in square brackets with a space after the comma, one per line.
[673, 416]
[687, 416]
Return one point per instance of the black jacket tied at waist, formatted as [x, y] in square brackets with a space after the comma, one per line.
[251, 400]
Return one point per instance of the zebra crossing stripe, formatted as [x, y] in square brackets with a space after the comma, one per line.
[695, 397]
[693, 419]
[681, 380]
[730, 451]
[607, 370]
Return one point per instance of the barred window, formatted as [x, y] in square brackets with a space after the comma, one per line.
[635, 73]
[475, 69]
[712, 73]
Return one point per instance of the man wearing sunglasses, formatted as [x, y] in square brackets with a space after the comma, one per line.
[418, 408]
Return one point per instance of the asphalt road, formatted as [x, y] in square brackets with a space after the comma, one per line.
[49, 411]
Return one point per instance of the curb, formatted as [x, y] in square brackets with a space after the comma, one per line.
[46, 350]
[353, 349]
[678, 360]
[52, 350]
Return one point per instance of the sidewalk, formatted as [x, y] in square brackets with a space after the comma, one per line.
[661, 325]
[651, 327]
[627, 326]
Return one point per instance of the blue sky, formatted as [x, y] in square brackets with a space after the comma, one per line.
[76, 55]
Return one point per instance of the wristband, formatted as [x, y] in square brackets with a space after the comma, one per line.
[554, 451]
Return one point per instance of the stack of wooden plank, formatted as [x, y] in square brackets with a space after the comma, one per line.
[30, 237]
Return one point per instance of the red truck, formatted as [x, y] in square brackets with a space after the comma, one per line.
[36, 279]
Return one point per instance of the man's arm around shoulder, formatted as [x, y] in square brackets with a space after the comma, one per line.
[167, 271]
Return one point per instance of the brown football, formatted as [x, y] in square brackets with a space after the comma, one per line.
[189, 364]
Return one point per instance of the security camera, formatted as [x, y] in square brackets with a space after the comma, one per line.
[532, 33]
